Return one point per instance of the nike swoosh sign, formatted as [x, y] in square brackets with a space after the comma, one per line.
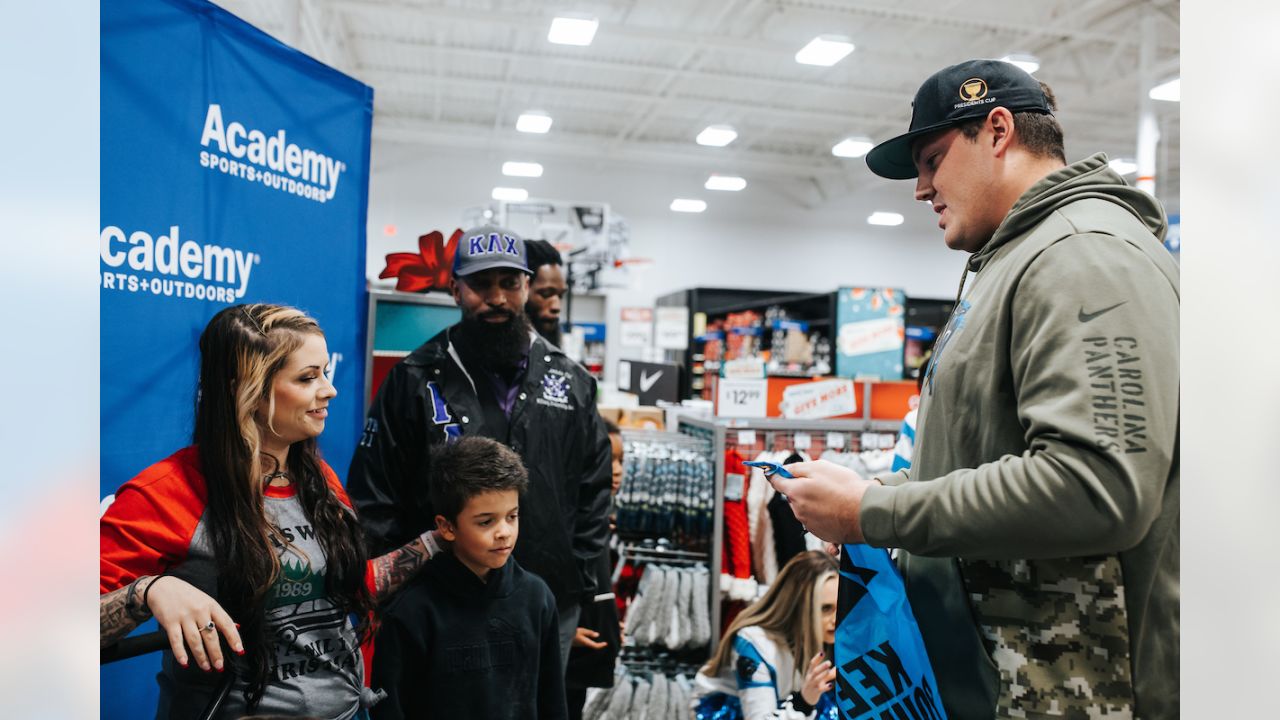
[646, 382]
[1086, 317]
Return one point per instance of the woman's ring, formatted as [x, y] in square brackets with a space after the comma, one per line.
[208, 627]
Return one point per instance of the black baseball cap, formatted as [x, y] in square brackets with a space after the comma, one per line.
[487, 247]
[952, 95]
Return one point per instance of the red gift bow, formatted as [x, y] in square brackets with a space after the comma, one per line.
[430, 267]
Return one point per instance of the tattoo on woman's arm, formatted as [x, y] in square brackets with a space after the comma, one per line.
[113, 617]
[392, 570]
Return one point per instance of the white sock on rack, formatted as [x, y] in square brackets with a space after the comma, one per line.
[686, 610]
[701, 613]
[662, 608]
[597, 702]
[636, 614]
[640, 699]
[620, 700]
[658, 698]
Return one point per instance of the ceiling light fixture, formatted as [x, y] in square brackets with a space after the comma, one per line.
[717, 135]
[1123, 166]
[533, 121]
[731, 183]
[573, 30]
[825, 50]
[1029, 63]
[688, 205]
[521, 169]
[880, 217]
[510, 194]
[1170, 91]
[852, 147]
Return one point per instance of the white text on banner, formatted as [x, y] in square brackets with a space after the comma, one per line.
[821, 399]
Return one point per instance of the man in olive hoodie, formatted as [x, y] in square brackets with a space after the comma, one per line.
[1039, 519]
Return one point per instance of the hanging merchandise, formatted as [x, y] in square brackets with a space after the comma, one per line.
[667, 489]
[669, 610]
[735, 568]
[644, 690]
[745, 563]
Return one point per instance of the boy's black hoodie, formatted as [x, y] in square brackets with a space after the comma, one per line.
[452, 646]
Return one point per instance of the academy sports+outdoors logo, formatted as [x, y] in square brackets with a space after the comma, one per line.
[136, 262]
[273, 161]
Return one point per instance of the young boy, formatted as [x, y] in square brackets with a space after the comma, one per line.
[474, 635]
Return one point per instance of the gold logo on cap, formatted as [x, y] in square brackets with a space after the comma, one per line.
[973, 89]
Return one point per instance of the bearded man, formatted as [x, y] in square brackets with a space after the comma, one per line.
[491, 375]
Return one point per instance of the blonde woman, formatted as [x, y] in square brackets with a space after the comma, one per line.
[247, 536]
[770, 663]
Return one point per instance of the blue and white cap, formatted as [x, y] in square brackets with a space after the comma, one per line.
[487, 247]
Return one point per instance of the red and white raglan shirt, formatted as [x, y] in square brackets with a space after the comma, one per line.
[157, 524]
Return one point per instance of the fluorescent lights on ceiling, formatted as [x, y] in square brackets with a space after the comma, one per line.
[731, 183]
[573, 30]
[825, 50]
[688, 205]
[852, 147]
[522, 169]
[1170, 91]
[1029, 63]
[717, 135]
[1123, 167]
[510, 194]
[880, 217]
[534, 121]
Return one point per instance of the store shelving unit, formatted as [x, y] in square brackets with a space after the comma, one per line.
[818, 310]
[720, 432]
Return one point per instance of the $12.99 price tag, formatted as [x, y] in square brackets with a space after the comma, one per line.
[741, 397]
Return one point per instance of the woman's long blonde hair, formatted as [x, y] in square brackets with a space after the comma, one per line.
[788, 611]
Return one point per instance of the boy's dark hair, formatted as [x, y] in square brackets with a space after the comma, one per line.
[469, 467]
[1039, 133]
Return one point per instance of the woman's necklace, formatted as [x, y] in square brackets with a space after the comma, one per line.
[278, 475]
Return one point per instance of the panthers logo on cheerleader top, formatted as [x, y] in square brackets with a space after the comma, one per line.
[555, 390]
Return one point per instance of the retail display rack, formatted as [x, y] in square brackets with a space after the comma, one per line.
[815, 311]
[721, 434]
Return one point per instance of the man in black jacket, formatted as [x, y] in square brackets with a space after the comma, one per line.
[491, 375]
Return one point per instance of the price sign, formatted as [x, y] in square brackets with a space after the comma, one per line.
[835, 441]
[803, 442]
[740, 397]
[746, 437]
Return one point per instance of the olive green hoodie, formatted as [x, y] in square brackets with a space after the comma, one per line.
[1046, 461]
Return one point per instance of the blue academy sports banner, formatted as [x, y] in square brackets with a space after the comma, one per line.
[882, 668]
[234, 169]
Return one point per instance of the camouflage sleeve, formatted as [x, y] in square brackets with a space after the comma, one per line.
[1097, 394]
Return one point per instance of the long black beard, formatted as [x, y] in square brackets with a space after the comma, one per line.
[496, 346]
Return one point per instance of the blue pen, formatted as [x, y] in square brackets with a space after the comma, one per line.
[769, 468]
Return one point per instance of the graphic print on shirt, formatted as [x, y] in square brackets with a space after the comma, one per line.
[954, 325]
[555, 390]
[305, 629]
[440, 413]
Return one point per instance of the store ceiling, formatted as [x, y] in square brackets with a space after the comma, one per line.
[456, 74]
